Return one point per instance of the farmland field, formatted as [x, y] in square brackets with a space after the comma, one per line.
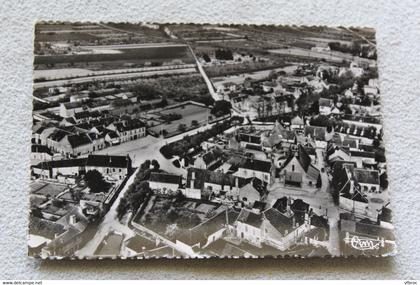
[147, 54]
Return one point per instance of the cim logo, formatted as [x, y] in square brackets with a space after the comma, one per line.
[362, 243]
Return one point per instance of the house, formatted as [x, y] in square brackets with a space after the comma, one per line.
[335, 153]
[249, 168]
[203, 183]
[117, 167]
[81, 143]
[209, 159]
[363, 158]
[40, 153]
[252, 192]
[40, 135]
[129, 130]
[69, 241]
[55, 168]
[68, 109]
[325, 106]
[271, 227]
[212, 229]
[114, 166]
[165, 183]
[297, 123]
[112, 138]
[352, 194]
[318, 134]
[298, 170]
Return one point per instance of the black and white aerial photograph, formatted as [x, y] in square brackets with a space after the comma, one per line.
[153, 140]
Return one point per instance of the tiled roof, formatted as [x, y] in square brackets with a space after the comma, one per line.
[108, 161]
[258, 165]
[250, 218]
[165, 178]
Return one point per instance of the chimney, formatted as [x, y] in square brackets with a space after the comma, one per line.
[192, 180]
[237, 182]
[72, 220]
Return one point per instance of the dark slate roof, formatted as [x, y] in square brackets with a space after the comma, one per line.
[73, 105]
[250, 218]
[366, 154]
[201, 232]
[82, 115]
[40, 130]
[258, 165]
[112, 134]
[367, 176]
[323, 102]
[165, 178]
[45, 228]
[317, 133]
[57, 135]
[281, 204]
[40, 149]
[78, 162]
[202, 176]
[79, 140]
[212, 155]
[130, 125]
[304, 158]
[278, 220]
[349, 142]
[108, 161]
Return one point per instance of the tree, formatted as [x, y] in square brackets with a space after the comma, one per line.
[194, 123]
[182, 128]
[221, 108]
[155, 164]
[96, 182]
[224, 54]
[206, 57]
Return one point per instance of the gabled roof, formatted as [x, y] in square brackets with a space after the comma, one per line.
[77, 140]
[57, 135]
[40, 149]
[212, 155]
[165, 178]
[367, 176]
[73, 105]
[78, 162]
[108, 161]
[250, 218]
[257, 165]
[201, 232]
[279, 221]
[317, 133]
[81, 115]
[297, 120]
[130, 125]
[323, 102]
[305, 161]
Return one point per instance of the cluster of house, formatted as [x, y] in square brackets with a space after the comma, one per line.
[250, 232]
[63, 205]
[77, 137]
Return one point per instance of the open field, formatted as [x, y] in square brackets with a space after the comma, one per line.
[123, 76]
[189, 113]
[329, 56]
[135, 55]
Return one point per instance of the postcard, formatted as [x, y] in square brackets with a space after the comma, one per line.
[155, 140]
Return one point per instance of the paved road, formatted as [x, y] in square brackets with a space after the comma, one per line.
[139, 150]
